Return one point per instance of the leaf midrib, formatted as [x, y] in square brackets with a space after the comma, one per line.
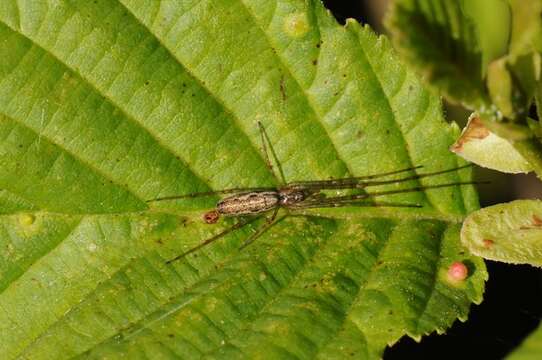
[323, 213]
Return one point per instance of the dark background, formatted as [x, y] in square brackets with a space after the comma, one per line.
[511, 307]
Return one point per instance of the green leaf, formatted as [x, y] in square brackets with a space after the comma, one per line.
[496, 75]
[460, 46]
[492, 22]
[512, 79]
[530, 349]
[447, 42]
[107, 104]
[509, 232]
[503, 89]
[484, 148]
[526, 34]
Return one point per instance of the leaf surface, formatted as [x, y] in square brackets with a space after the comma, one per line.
[106, 104]
[444, 41]
[484, 148]
[508, 232]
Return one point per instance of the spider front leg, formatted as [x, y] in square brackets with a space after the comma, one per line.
[270, 221]
[213, 238]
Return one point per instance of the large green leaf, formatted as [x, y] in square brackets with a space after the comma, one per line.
[105, 104]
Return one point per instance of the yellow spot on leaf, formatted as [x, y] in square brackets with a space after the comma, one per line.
[296, 25]
[92, 247]
[26, 219]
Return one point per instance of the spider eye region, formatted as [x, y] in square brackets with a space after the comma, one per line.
[291, 197]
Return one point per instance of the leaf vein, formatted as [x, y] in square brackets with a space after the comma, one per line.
[76, 157]
[125, 114]
[305, 94]
[231, 114]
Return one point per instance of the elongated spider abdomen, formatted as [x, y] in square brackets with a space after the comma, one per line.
[248, 203]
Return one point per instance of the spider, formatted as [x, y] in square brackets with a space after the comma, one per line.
[249, 204]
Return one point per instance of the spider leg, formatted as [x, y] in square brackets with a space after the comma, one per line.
[360, 182]
[213, 238]
[353, 203]
[335, 184]
[352, 179]
[211, 193]
[265, 139]
[349, 199]
[270, 221]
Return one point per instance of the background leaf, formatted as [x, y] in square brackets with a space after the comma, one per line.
[530, 349]
[482, 147]
[508, 232]
[495, 75]
[107, 104]
[481, 53]
[446, 42]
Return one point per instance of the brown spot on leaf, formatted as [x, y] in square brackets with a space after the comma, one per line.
[536, 224]
[475, 131]
[183, 221]
[282, 88]
[488, 243]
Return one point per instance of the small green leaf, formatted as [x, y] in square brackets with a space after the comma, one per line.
[444, 41]
[502, 88]
[526, 36]
[482, 147]
[106, 104]
[509, 232]
[513, 78]
[492, 21]
[530, 349]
